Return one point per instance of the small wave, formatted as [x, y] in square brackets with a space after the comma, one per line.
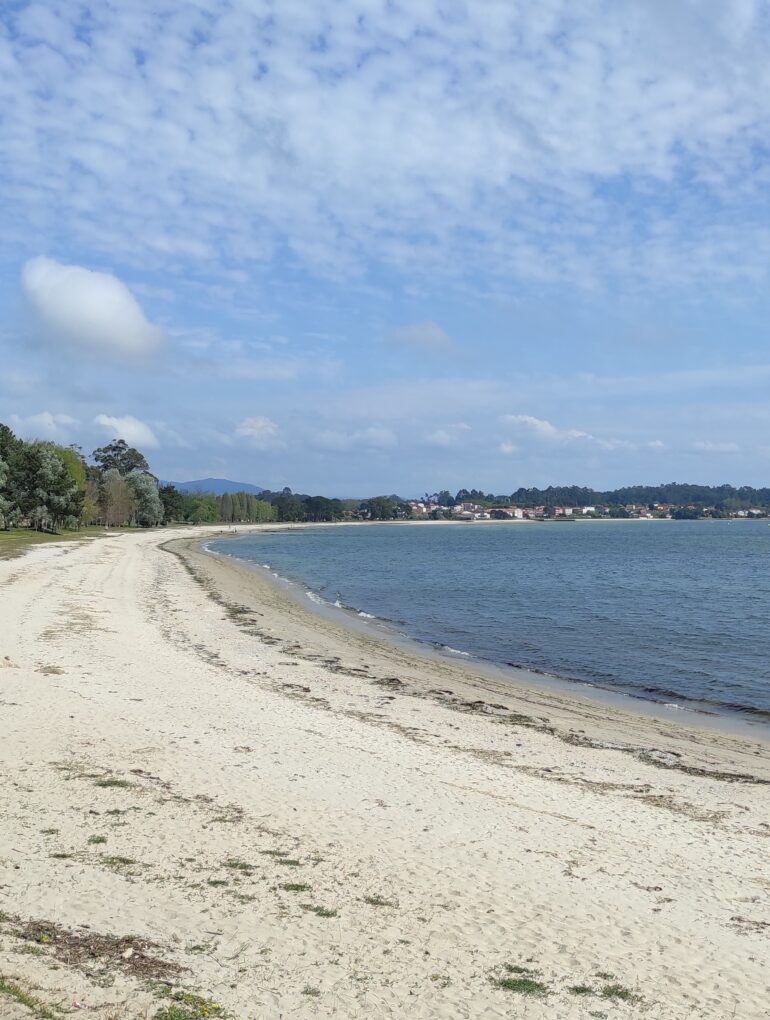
[366, 616]
[315, 598]
[455, 651]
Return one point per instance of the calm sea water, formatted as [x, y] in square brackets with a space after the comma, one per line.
[671, 611]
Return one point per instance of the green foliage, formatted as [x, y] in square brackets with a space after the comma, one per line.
[121, 457]
[148, 510]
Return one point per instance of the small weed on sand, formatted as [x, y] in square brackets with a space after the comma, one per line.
[580, 990]
[379, 901]
[318, 911]
[97, 839]
[519, 979]
[311, 992]
[619, 992]
[187, 1006]
[110, 782]
[18, 995]
[295, 886]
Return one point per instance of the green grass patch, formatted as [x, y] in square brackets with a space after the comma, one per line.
[295, 886]
[217, 881]
[379, 901]
[96, 840]
[313, 908]
[18, 995]
[580, 990]
[18, 540]
[188, 1006]
[290, 862]
[110, 782]
[619, 992]
[118, 861]
[311, 992]
[521, 985]
[236, 865]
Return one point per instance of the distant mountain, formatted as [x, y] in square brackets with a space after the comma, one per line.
[217, 486]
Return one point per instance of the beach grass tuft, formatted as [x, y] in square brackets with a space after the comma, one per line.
[520, 984]
[313, 908]
[188, 1006]
[581, 990]
[311, 992]
[22, 998]
[379, 901]
[619, 992]
[97, 839]
[295, 886]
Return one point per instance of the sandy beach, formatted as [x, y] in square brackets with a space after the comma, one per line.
[215, 804]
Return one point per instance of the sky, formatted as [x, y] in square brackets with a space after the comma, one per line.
[383, 246]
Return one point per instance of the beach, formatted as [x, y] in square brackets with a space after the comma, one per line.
[216, 801]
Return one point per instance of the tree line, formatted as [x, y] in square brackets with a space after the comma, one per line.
[720, 497]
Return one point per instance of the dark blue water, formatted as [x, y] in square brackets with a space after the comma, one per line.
[670, 611]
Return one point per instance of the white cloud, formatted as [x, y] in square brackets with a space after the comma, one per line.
[428, 336]
[78, 308]
[448, 436]
[260, 432]
[704, 446]
[45, 425]
[134, 431]
[546, 432]
[372, 438]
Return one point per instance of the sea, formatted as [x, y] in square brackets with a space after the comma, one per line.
[675, 612]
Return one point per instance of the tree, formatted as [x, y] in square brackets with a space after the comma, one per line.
[119, 500]
[121, 457]
[41, 487]
[174, 503]
[226, 508]
[148, 512]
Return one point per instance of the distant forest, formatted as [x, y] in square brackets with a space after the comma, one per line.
[47, 486]
[720, 497]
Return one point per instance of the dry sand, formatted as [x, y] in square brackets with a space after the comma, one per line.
[290, 820]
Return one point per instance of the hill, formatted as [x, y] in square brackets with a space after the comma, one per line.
[217, 486]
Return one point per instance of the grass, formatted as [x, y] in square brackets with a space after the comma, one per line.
[97, 839]
[237, 865]
[16, 541]
[313, 908]
[295, 886]
[118, 861]
[188, 1006]
[61, 856]
[311, 992]
[521, 985]
[109, 782]
[18, 995]
[619, 992]
[580, 990]
[290, 862]
[378, 901]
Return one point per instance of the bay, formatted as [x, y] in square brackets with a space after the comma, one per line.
[672, 611]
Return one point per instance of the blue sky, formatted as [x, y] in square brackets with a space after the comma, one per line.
[381, 246]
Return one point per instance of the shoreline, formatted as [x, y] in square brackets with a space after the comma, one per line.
[575, 714]
[211, 801]
[703, 715]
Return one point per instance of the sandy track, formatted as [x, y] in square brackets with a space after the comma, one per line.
[182, 748]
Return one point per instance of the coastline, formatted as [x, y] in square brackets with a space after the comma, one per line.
[545, 700]
[675, 708]
[276, 817]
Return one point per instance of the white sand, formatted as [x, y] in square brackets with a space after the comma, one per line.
[493, 840]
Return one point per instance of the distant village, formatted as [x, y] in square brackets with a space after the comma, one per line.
[468, 511]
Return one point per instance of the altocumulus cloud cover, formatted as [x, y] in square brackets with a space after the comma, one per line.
[299, 243]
